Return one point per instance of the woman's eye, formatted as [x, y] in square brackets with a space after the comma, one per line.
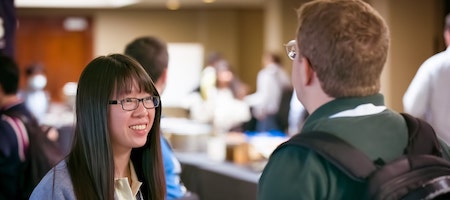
[128, 100]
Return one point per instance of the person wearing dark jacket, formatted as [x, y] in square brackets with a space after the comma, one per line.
[13, 134]
[337, 57]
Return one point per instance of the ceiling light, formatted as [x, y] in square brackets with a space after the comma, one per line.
[73, 3]
[173, 4]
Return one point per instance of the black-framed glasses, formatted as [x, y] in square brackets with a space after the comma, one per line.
[290, 49]
[130, 104]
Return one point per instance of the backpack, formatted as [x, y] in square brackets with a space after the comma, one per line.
[42, 153]
[420, 173]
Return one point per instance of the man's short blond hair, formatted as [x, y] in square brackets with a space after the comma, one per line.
[346, 42]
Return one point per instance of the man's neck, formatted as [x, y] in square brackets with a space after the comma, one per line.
[9, 100]
[160, 86]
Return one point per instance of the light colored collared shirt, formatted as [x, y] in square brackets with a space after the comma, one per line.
[428, 96]
[122, 188]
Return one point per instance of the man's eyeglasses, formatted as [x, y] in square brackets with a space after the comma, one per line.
[290, 49]
[130, 104]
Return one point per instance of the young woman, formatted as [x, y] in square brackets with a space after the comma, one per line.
[116, 151]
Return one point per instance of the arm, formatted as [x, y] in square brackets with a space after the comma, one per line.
[416, 98]
[9, 162]
[172, 169]
[263, 96]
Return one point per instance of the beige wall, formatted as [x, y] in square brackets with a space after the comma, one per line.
[416, 34]
[237, 34]
[243, 34]
[289, 22]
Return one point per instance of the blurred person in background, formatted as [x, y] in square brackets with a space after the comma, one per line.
[208, 76]
[13, 135]
[271, 81]
[151, 53]
[36, 98]
[224, 108]
[297, 115]
[428, 97]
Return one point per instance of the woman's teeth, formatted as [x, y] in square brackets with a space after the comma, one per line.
[138, 127]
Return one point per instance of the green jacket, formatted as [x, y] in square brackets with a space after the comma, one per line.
[299, 173]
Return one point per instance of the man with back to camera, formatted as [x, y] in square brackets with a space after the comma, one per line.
[427, 97]
[14, 140]
[152, 54]
[338, 56]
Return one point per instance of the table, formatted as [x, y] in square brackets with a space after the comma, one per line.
[214, 180]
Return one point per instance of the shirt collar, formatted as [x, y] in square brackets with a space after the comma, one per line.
[122, 187]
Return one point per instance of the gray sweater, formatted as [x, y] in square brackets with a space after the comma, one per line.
[56, 184]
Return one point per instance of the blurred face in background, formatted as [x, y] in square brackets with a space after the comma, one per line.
[224, 78]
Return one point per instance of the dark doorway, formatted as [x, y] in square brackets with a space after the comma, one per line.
[63, 48]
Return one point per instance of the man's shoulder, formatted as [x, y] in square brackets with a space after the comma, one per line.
[298, 167]
[18, 109]
[166, 149]
[437, 60]
[295, 153]
[8, 137]
[292, 158]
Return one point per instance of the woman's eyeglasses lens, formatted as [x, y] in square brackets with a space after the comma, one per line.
[130, 104]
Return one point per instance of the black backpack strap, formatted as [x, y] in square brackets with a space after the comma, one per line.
[338, 152]
[354, 163]
[27, 120]
[422, 138]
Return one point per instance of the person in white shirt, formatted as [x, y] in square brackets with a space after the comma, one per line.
[208, 75]
[297, 115]
[223, 108]
[36, 98]
[427, 96]
[270, 83]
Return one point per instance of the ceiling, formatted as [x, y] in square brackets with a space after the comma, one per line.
[170, 4]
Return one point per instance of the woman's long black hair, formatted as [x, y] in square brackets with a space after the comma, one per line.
[90, 162]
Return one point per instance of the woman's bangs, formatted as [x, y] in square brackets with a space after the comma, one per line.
[144, 83]
[126, 83]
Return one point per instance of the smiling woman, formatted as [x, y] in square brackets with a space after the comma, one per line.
[116, 152]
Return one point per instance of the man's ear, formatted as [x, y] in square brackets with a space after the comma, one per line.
[307, 72]
[447, 37]
[163, 77]
[161, 82]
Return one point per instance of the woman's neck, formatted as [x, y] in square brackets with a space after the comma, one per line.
[122, 165]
